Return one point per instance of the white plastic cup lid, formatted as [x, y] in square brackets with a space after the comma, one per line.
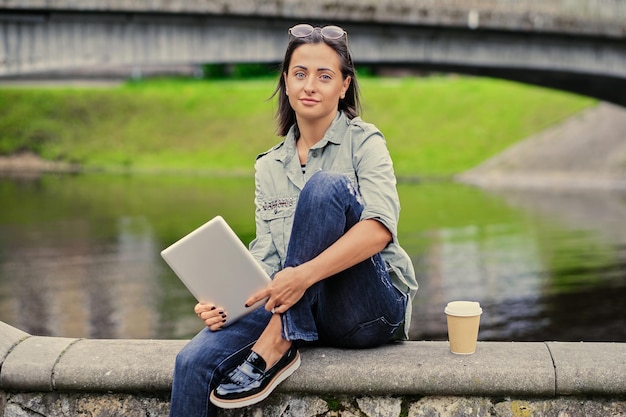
[463, 308]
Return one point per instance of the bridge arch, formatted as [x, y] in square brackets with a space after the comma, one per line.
[576, 45]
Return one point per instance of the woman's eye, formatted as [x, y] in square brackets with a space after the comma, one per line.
[325, 77]
[299, 75]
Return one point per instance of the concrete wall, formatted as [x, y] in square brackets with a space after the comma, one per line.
[44, 376]
[309, 405]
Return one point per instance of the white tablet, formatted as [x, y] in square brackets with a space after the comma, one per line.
[217, 267]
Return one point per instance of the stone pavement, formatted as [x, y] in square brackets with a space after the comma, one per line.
[586, 151]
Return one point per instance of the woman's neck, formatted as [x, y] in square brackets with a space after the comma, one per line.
[309, 136]
[312, 132]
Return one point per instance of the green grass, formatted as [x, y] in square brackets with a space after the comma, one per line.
[435, 126]
[445, 125]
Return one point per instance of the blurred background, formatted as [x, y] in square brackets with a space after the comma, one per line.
[125, 126]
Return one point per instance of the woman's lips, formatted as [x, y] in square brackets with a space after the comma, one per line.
[308, 101]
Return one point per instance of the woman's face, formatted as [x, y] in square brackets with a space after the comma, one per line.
[314, 82]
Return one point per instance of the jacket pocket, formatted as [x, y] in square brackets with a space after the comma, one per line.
[278, 214]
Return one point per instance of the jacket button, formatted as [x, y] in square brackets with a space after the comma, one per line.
[314, 154]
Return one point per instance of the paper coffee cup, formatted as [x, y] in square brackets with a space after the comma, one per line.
[463, 323]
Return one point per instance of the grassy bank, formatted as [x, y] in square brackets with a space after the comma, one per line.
[434, 126]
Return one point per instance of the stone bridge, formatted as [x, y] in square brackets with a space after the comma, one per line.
[575, 45]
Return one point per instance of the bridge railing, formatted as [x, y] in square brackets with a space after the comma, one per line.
[592, 17]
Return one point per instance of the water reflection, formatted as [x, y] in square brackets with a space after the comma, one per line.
[495, 264]
[79, 256]
[558, 274]
[56, 286]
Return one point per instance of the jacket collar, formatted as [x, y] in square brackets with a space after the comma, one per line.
[334, 134]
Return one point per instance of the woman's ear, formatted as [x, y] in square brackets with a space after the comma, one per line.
[346, 85]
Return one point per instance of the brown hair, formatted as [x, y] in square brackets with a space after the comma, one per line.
[350, 105]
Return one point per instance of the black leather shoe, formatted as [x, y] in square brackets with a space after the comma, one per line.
[250, 383]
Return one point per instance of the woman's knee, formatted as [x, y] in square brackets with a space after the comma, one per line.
[324, 179]
[325, 183]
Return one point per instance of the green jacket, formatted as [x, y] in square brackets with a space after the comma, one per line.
[350, 147]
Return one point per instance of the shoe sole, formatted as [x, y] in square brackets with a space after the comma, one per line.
[260, 396]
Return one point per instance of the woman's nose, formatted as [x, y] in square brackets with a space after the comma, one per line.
[309, 87]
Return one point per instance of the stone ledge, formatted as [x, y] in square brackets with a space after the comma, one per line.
[428, 368]
[33, 363]
[589, 368]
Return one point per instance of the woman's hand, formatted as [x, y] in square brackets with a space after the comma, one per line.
[212, 316]
[362, 241]
[287, 287]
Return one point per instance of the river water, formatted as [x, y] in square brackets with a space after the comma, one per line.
[79, 255]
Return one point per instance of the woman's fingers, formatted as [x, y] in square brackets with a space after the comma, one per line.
[281, 299]
[213, 317]
[279, 309]
[215, 323]
[258, 296]
[280, 294]
[201, 307]
[271, 304]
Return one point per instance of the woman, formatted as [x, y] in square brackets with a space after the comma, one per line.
[326, 220]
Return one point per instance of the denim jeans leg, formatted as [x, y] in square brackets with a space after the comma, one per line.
[207, 358]
[358, 307]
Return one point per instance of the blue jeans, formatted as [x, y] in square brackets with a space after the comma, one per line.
[357, 308]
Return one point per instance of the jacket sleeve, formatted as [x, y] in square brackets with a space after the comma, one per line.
[377, 182]
[262, 247]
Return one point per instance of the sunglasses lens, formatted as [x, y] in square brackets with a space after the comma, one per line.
[332, 32]
[302, 31]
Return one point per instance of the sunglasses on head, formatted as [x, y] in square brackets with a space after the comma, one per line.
[304, 30]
